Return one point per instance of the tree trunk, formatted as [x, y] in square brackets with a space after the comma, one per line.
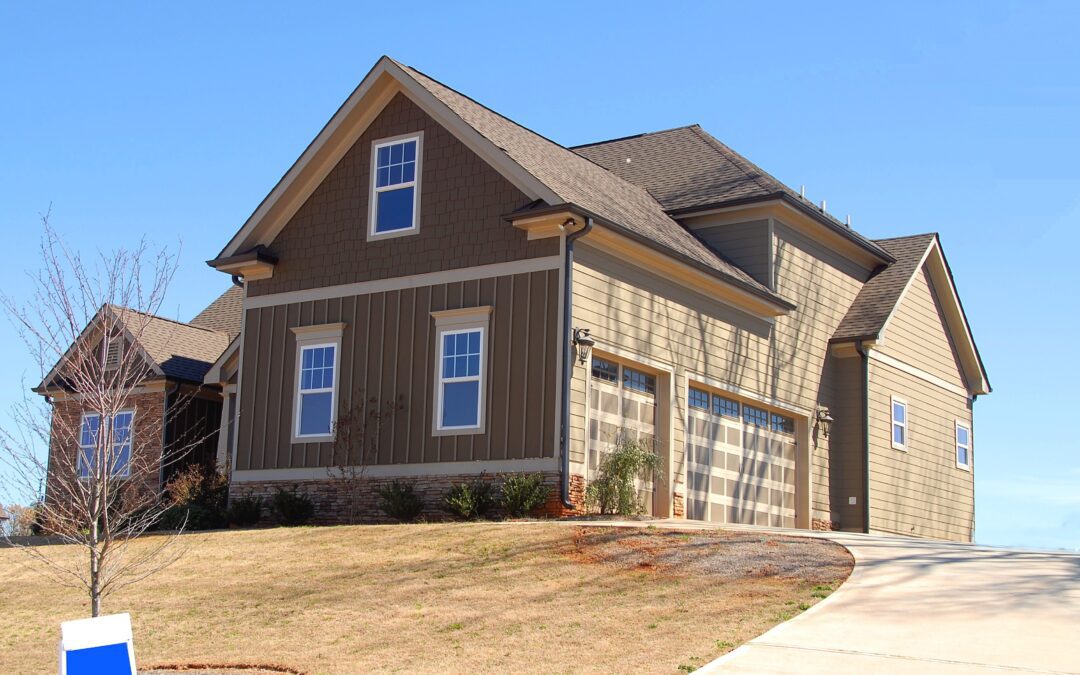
[95, 572]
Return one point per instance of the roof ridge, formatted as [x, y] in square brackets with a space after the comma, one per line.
[165, 318]
[744, 164]
[906, 236]
[633, 136]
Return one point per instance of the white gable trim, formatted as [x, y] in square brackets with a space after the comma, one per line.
[350, 121]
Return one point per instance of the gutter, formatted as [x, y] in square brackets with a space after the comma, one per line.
[865, 358]
[567, 360]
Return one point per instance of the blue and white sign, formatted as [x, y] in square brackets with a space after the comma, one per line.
[101, 645]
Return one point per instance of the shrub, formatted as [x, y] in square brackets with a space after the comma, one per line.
[292, 508]
[614, 491]
[245, 511]
[192, 517]
[400, 501]
[470, 500]
[522, 493]
[197, 496]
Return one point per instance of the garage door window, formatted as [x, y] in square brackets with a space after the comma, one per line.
[698, 399]
[725, 407]
[636, 380]
[756, 416]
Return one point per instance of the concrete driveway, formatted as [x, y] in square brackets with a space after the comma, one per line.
[914, 606]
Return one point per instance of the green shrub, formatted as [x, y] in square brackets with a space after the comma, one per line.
[522, 493]
[613, 491]
[245, 511]
[192, 517]
[197, 500]
[470, 500]
[400, 501]
[292, 508]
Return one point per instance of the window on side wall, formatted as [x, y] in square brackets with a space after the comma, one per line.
[963, 446]
[461, 371]
[395, 187]
[118, 434]
[318, 358]
[899, 423]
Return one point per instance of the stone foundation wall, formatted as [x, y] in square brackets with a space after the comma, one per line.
[820, 525]
[678, 506]
[335, 503]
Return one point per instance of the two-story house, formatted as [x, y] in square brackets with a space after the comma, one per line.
[528, 301]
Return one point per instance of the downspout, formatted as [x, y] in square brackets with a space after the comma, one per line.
[567, 358]
[864, 356]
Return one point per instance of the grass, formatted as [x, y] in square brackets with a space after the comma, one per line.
[441, 597]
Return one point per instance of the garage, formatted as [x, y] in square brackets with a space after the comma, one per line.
[740, 461]
[622, 403]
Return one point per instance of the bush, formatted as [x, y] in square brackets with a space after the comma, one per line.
[522, 493]
[192, 517]
[197, 496]
[245, 511]
[614, 491]
[292, 508]
[470, 500]
[400, 501]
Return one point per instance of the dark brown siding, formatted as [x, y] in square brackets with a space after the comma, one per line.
[388, 350]
[462, 201]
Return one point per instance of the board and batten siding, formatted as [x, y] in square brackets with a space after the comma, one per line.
[918, 491]
[917, 333]
[638, 312]
[389, 351]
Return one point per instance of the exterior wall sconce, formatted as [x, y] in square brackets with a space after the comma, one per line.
[824, 421]
[584, 342]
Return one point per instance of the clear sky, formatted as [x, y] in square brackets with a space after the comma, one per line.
[175, 119]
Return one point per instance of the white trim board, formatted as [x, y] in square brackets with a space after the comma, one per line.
[403, 470]
[929, 378]
[526, 266]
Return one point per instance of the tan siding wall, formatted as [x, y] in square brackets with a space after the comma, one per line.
[388, 349]
[846, 456]
[921, 491]
[917, 334]
[641, 313]
[462, 203]
[745, 244]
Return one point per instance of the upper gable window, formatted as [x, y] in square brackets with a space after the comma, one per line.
[395, 187]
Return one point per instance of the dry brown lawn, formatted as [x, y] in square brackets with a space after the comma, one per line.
[534, 597]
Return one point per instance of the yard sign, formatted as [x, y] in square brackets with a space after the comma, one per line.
[101, 645]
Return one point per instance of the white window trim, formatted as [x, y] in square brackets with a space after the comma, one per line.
[957, 445]
[373, 190]
[453, 322]
[906, 424]
[310, 337]
[80, 458]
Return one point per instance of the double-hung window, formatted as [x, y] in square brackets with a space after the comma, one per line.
[395, 187]
[963, 446]
[318, 353]
[461, 370]
[118, 437]
[899, 423]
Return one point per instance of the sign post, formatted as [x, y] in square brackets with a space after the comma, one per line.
[101, 645]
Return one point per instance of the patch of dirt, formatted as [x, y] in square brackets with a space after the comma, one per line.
[721, 554]
[218, 669]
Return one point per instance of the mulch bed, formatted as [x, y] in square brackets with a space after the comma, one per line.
[727, 555]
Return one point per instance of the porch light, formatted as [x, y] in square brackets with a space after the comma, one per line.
[584, 343]
[824, 421]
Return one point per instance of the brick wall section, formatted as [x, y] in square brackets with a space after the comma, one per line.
[66, 421]
[462, 201]
[332, 501]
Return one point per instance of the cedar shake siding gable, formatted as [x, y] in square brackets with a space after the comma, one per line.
[462, 203]
[388, 350]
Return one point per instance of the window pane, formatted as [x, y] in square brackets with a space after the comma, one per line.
[395, 174]
[460, 404]
[408, 172]
[755, 416]
[394, 210]
[395, 153]
[782, 424]
[605, 370]
[410, 151]
[474, 365]
[961, 435]
[898, 434]
[725, 406]
[89, 434]
[383, 177]
[384, 155]
[962, 455]
[462, 346]
[474, 342]
[639, 381]
[461, 366]
[899, 413]
[315, 413]
[699, 399]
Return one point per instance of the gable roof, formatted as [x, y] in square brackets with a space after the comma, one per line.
[686, 169]
[182, 351]
[223, 314]
[869, 315]
[552, 174]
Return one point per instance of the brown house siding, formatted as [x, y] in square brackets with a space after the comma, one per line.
[846, 451]
[462, 204]
[388, 351]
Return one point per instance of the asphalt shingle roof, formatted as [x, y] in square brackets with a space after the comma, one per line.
[181, 350]
[223, 314]
[867, 315]
[578, 180]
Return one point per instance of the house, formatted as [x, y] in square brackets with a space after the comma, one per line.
[170, 416]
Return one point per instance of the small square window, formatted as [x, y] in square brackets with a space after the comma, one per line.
[605, 370]
[698, 399]
[725, 407]
[638, 381]
[755, 416]
[782, 424]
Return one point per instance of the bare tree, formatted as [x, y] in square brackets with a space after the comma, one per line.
[357, 435]
[99, 487]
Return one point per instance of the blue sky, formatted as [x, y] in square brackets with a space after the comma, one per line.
[175, 119]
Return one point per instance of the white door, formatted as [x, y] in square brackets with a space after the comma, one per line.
[622, 402]
[740, 462]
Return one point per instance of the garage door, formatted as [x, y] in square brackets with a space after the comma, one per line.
[740, 462]
[622, 402]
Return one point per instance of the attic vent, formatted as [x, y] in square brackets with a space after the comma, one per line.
[112, 354]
